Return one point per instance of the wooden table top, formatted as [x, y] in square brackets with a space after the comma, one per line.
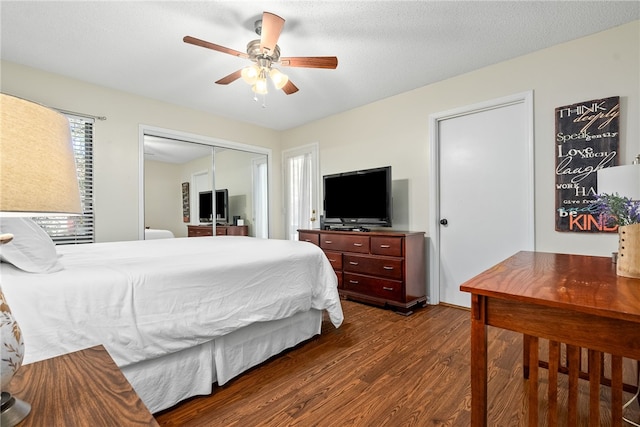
[582, 283]
[83, 388]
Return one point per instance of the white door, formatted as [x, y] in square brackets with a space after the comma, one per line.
[301, 193]
[484, 194]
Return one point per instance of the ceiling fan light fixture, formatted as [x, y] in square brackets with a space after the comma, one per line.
[250, 74]
[264, 52]
[278, 78]
[260, 86]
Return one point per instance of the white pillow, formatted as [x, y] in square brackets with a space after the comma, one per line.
[31, 249]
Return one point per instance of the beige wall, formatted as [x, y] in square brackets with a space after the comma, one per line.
[392, 132]
[116, 143]
[395, 131]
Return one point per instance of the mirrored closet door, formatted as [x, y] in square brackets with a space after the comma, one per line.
[197, 189]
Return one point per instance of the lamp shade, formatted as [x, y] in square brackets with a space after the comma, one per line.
[279, 79]
[250, 74]
[260, 87]
[37, 165]
[624, 180]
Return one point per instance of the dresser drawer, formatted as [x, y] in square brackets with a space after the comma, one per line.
[335, 258]
[391, 246]
[309, 237]
[195, 231]
[381, 288]
[346, 243]
[221, 231]
[375, 266]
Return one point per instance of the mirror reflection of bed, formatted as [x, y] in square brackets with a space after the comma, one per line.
[170, 163]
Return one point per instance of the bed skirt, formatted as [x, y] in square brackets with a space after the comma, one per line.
[165, 381]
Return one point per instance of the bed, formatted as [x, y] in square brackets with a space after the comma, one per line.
[176, 315]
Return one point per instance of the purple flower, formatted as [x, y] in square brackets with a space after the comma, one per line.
[617, 209]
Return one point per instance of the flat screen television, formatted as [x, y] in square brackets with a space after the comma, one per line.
[205, 206]
[358, 198]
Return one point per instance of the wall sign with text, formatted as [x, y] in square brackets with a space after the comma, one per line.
[587, 140]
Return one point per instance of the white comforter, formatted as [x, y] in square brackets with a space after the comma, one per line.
[145, 299]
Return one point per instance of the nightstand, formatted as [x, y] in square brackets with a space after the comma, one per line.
[80, 388]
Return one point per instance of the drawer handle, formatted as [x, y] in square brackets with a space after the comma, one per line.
[385, 246]
[353, 263]
[387, 289]
[386, 267]
[328, 242]
[357, 244]
[354, 282]
[332, 260]
[307, 240]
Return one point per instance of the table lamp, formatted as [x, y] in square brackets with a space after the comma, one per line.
[625, 181]
[37, 178]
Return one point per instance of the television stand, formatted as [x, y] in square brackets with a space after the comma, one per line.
[384, 268]
[341, 228]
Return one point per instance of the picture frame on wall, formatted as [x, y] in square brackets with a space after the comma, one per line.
[587, 138]
[186, 215]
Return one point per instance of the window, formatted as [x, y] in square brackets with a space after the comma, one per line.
[66, 230]
[300, 189]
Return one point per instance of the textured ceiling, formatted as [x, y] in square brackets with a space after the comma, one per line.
[383, 47]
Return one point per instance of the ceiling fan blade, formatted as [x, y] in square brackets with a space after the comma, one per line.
[213, 46]
[271, 28]
[230, 78]
[330, 62]
[289, 88]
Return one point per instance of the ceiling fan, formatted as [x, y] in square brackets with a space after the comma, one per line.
[264, 53]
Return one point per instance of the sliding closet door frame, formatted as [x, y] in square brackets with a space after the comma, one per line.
[198, 139]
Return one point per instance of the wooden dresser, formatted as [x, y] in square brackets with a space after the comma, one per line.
[221, 230]
[384, 268]
[83, 388]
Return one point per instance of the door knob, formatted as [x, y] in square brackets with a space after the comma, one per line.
[444, 221]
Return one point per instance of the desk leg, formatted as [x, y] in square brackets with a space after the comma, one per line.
[478, 361]
[533, 381]
[526, 348]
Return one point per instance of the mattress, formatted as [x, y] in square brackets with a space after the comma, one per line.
[147, 299]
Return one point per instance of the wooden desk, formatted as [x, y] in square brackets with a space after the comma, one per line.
[84, 388]
[572, 299]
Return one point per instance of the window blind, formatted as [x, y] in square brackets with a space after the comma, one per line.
[65, 230]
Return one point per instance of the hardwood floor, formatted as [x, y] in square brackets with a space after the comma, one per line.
[380, 368]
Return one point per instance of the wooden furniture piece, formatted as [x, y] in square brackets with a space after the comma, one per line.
[81, 388]
[221, 230]
[572, 299]
[561, 354]
[384, 268]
